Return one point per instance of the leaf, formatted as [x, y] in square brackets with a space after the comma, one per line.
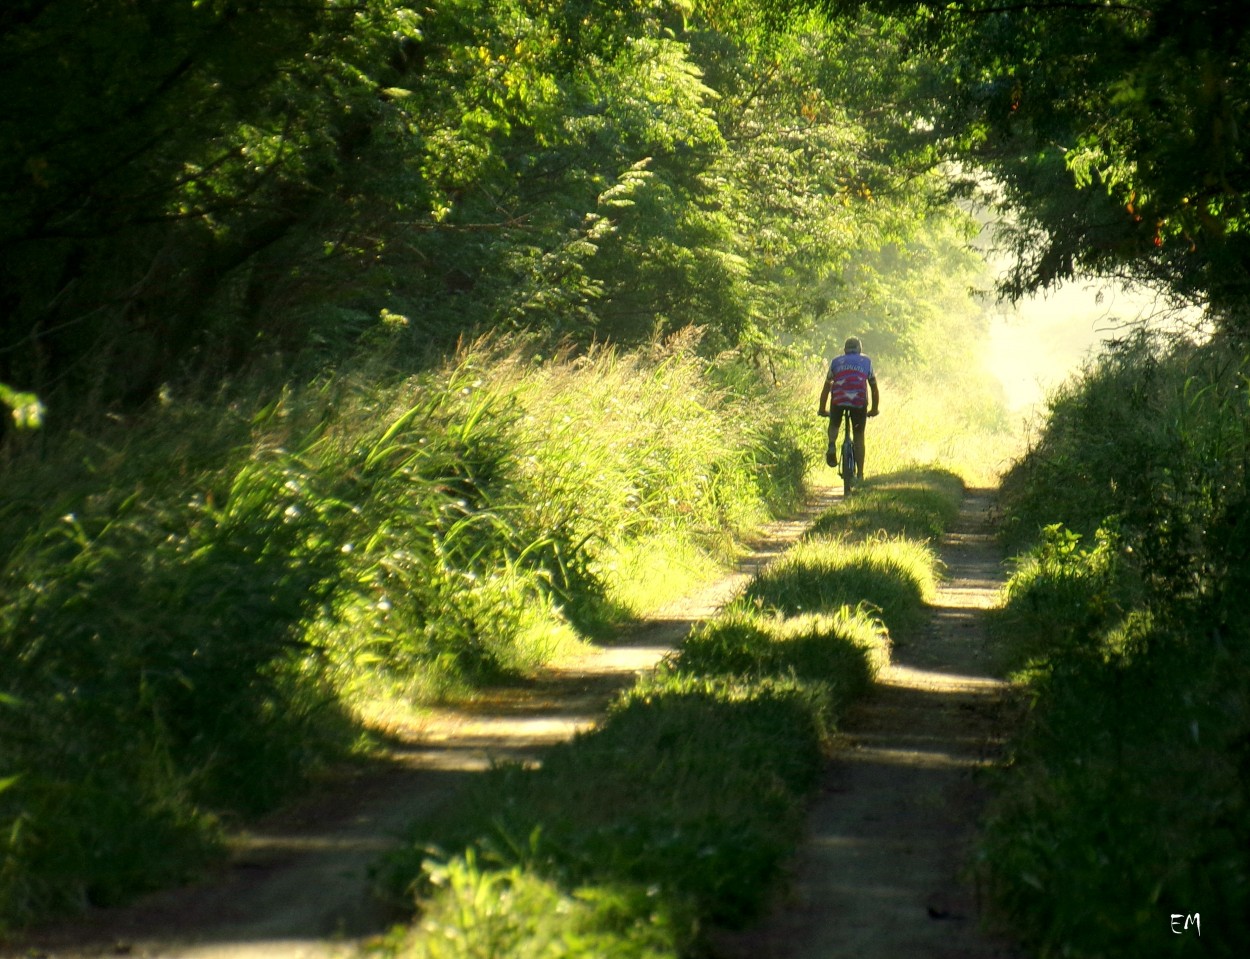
[27, 410]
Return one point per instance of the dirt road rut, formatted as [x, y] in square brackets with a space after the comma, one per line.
[883, 873]
[881, 876]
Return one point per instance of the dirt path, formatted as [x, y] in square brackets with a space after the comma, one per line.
[880, 876]
[296, 885]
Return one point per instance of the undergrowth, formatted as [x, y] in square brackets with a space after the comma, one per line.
[198, 607]
[1128, 797]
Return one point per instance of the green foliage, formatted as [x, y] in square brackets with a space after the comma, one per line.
[1154, 436]
[157, 157]
[482, 911]
[1063, 597]
[868, 558]
[917, 504]
[195, 611]
[823, 573]
[821, 209]
[656, 446]
[265, 179]
[842, 649]
[1132, 760]
[914, 296]
[156, 644]
[26, 409]
[1117, 156]
[691, 789]
[205, 200]
[1132, 764]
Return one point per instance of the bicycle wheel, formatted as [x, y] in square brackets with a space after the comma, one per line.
[848, 460]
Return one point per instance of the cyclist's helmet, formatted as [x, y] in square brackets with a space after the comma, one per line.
[852, 345]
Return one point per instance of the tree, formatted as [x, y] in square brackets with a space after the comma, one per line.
[153, 152]
[1113, 129]
[191, 185]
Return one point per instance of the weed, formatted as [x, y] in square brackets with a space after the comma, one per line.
[476, 911]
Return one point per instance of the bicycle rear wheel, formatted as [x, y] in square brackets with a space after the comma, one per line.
[848, 465]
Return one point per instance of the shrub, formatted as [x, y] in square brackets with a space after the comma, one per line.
[1133, 766]
[1132, 762]
[1062, 598]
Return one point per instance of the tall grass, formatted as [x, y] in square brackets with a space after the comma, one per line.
[631, 449]
[1129, 608]
[198, 606]
[201, 607]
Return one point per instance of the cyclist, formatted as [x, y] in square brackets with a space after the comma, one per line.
[850, 381]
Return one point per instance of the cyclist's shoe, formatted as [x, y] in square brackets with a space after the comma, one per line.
[831, 455]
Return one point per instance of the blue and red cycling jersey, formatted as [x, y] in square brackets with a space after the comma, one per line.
[848, 379]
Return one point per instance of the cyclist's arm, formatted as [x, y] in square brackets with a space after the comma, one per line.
[876, 397]
[824, 397]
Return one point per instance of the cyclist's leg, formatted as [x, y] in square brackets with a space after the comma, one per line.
[859, 421]
[835, 423]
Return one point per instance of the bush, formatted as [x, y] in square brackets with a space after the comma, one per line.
[1132, 765]
[1063, 598]
[1133, 759]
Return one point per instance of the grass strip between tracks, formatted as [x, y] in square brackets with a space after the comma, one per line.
[681, 808]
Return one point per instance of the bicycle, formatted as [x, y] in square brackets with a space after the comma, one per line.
[846, 466]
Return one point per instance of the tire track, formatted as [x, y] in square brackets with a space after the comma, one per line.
[883, 872]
